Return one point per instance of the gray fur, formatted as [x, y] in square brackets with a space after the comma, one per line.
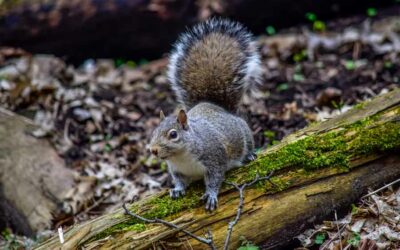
[215, 140]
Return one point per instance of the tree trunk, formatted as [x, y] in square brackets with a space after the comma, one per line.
[34, 183]
[319, 169]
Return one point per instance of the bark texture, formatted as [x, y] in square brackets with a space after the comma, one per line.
[324, 167]
[34, 181]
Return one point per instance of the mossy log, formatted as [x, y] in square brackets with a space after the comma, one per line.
[319, 169]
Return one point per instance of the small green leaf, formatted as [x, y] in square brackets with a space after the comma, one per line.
[282, 87]
[388, 64]
[270, 30]
[298, 77]
[319, 26]
[338, 105]
[119, 62]
[350, 65]
[269, 134]
[300, 56]
[108, 137]
[131, 64]
[319, 239]
[354, 209]
[163, 166]
[107, 148]
[311, 16]
[371, 12]
[355, 240]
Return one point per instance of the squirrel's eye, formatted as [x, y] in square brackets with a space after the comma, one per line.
[173, 134]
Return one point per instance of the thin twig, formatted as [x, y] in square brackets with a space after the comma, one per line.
[340, 235]
[334, 237]
[209, 240]
[240, 206]
[380, 189]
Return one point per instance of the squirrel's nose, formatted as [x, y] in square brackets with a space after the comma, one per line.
[154, 151]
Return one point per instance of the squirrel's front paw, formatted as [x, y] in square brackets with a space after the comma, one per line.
[176, 192]
[211, 201]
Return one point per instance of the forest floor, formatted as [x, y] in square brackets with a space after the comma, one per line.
[99, 116]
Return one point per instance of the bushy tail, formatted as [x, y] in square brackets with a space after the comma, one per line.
[215, 61]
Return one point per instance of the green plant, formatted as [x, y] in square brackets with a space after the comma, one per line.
[319, 239]
[319, 25]
[338, 105]
[350, 65]
[131, 64]
[371, 12]
[354, 209]
[107, 148]
[247, 245]
[354, 240]
[388, 64]
[282, 87]
[298, 77]
[119, 62]
[270, 30]
[269, 134]
[300, 56]
[311, 16]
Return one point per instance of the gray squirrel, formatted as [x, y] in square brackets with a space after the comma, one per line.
[210, 68]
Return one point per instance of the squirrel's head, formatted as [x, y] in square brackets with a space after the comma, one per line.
[168, 139]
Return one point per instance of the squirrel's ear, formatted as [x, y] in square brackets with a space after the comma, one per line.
[182, 119]
[162, 116]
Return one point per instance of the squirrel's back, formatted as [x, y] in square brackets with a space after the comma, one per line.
[215, 61]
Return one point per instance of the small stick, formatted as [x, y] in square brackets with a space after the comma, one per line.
[333, 238]
[380, 189]
[340, 235]
[240, 206]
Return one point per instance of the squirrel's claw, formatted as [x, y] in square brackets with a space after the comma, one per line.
[176, 193]
[211, 201]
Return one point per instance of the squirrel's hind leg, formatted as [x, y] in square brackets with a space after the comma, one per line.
[213, 179]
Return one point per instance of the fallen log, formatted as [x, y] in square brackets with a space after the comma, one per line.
[317, 170]
[35, 184]
[134, 29]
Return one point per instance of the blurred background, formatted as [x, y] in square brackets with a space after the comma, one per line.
[135, 29]
[89, 77]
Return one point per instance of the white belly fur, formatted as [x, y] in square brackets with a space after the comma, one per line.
[187, 165]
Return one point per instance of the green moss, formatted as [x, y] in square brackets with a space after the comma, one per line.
[359, 105]
[377, 139]
[332, 149]
[158, 207]
[136, 227]
[310, 153]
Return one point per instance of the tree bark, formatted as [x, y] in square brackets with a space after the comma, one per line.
[34, 182]
[319, 169]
